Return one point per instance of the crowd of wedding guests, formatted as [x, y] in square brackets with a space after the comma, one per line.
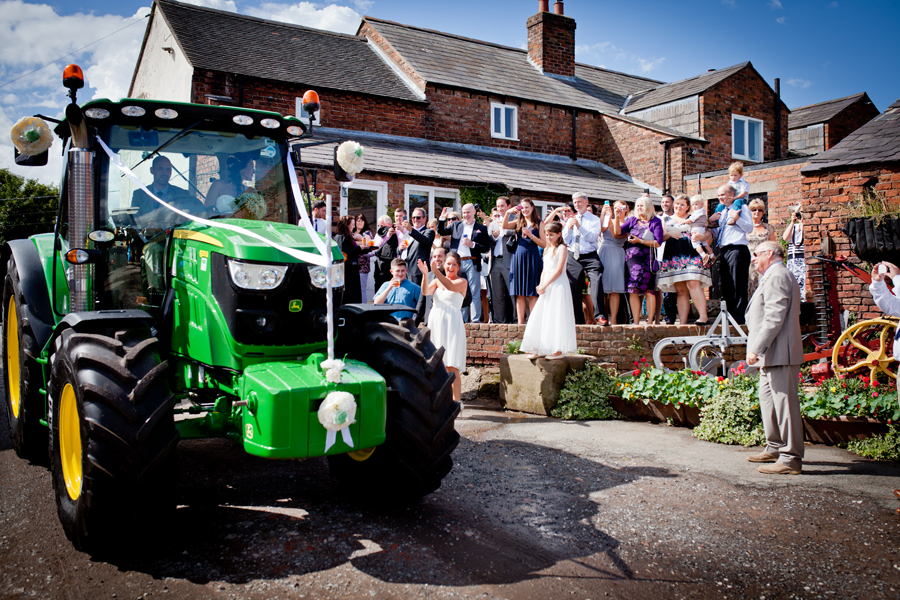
[572, 266]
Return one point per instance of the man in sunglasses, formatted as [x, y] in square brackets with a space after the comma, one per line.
[418, 247]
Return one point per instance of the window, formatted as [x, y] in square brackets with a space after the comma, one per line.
[504, 121]
[433, 200]
[303, 116]
[368, 198]
[746, 138]
[545, 207]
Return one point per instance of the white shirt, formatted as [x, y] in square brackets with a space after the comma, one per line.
[464, 250]
[888, 303]
[319, 225]
[734, 235]
[499, 241]
[588, 233]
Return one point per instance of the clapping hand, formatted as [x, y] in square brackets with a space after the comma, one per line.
[571, 223]
[423, 268]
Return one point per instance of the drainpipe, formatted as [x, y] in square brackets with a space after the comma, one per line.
[665, 145]
[574, 155]
[777, 119]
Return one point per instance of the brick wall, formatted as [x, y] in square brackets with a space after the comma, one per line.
[849, 120]
[746, 94]
[827, 195]
[638, 151]
[344, 110]
[617, 344]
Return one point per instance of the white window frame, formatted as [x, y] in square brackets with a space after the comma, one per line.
[381, 200]
[514, 134]
[423, 189]
[544, 205]
[303, 116]
[762, 136]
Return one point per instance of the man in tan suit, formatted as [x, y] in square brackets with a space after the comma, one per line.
[774, 344]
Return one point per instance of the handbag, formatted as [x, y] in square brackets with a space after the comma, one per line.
[512, 242]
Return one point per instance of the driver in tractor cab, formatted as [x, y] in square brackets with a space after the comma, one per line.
[151, 214]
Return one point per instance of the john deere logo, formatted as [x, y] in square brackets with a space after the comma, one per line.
[295, 305]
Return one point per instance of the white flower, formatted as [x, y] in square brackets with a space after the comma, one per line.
[31, 136]
[253, 204]
[350, 157]
[333, 369]
[338, 411]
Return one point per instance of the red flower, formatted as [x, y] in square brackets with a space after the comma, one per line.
[874, 394]
[874, 384]
[643, 360]
[636, 372]
[720, 378]
[635, 363]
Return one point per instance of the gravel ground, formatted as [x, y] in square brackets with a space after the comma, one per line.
[534, 508]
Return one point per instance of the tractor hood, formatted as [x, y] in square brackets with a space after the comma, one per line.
[245, 247]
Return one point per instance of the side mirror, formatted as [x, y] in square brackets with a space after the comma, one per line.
[38, 160]
[339, 173]
[295, 155]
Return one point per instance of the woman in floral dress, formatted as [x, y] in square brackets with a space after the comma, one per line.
[645, 234]
[682, 271]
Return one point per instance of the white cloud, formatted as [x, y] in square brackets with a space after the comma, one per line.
[781, 20]
[227, 5]
[730, 3]
[363, 5]
[833, 5]
[626, 60]
[775, 4]
[332, 17]
[800, 83]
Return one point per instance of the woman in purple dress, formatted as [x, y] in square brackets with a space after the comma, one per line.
[645, 234]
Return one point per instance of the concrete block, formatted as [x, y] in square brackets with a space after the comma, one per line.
[533, 385]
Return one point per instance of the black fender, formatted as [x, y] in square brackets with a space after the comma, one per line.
[351, 319]
[33, 281]
[106, 321]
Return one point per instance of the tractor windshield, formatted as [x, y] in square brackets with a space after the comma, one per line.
[207, 174]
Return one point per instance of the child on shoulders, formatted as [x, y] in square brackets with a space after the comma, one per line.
[698, 221]
[741, 189]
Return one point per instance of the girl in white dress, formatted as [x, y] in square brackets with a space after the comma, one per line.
[551, 326]
[445, 320]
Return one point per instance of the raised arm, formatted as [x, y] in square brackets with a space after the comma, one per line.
[454, 286]
[427, 287]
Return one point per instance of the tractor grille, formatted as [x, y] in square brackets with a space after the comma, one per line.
[244, 309]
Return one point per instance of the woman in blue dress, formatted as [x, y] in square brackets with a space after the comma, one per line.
[525, 268]
[645, 234]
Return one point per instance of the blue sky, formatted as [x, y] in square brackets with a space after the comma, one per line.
[821, 49]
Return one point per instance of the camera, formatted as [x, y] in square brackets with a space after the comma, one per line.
[799, 215]
[477, 209]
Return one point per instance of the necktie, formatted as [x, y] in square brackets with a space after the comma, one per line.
[577, 251]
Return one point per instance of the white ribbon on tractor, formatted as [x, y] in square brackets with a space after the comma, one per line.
[337, 413]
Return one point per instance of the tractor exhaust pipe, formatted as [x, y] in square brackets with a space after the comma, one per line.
[80, 177]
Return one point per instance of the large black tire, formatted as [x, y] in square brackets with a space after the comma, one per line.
[421, 415]
[22, 375]
[113, 437]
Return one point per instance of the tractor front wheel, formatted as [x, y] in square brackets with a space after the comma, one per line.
[113, 436]
[421, 415]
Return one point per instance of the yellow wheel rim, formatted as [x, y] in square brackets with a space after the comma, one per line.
[12, 356]
[877, 359]
[70, 441]
[361, 455]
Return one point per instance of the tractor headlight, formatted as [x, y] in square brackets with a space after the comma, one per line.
[317, 276]
[251, 276]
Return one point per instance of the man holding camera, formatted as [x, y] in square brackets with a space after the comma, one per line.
[796, 255]
[470, 239]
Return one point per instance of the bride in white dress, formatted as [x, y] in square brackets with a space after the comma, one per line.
[445, 320]
[551, 326]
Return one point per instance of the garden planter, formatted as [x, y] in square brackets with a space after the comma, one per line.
[840, 430]
[663, 412]
[691, 415]
[874, 241]
[634, 411]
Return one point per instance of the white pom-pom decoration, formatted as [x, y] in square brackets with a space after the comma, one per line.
[333, 368]
[338, 411]
[350, 158]
[31, 136]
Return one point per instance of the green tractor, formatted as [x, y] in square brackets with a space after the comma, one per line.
[133, 326]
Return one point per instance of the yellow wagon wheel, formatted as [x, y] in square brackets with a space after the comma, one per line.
[867, 345]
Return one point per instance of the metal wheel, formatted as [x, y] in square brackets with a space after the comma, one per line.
[868, 345]
[707, 357]
[660, 348]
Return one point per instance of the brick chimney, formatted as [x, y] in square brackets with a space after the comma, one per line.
[551, 40]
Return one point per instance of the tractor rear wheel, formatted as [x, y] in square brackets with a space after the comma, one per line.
[113, 436]
[22, 376]
[421, 415]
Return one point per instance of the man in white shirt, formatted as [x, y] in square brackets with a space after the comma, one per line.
[470, 240]
[582, 235]
[732, 241]
[318, 217]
